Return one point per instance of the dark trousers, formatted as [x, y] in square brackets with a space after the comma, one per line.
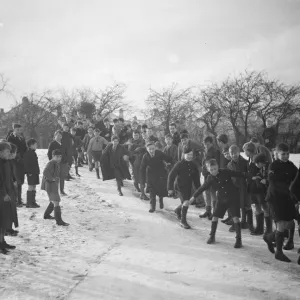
[118, 176]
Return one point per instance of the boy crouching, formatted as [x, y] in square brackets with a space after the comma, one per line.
[50, 184]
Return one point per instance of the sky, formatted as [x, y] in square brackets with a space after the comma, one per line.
[72, 43]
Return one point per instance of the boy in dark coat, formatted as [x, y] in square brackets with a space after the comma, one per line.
[269, 135]
[210, 195]
[32, 170]
[66, 148]
[238, 163]
[85, 144]
[227, 198]
[5, 199]
[185, 173]
[154, 172]
[17, 138]
[13, 187]
[50, 183]
[283, 207]
[113, 163]
[174, 134]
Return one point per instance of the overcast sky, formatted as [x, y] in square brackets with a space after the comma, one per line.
[74, 43]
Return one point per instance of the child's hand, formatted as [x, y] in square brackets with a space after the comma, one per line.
[191, 201]
[6, 198]
[126, 157]
[263, 181]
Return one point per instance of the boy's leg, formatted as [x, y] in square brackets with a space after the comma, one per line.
[184, 210]
[290, 242]
[57, 214]
[19, 195]
[259, 215]
[29, 197]
[97, 165]
[267, 216]
[152, 201]
[208, 205]
[76, 164]
[48, 211]
[34, 196]
[161, 202]
[279, 238]
[118, 177]
[214, 225]
[237, 226]
[179, 208]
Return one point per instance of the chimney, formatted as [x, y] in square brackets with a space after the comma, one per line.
[121, 113]
[25, 101]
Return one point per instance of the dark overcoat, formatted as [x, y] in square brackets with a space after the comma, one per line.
[281, 175]
[138, 154]
[31, 163]
[110, 161]
[154, 172]
[183, 175]
[66, 148]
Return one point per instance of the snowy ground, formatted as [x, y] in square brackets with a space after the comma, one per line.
[115, 249]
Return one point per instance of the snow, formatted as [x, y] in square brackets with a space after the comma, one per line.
[115, 249]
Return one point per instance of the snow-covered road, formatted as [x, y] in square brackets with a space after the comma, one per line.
[115, 249]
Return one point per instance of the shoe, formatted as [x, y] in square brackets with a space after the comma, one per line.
[144, 197]
[120, 193]
[63, 193]
[152, 205]
[137, 188]
[97, 173]
[232, 228]
[7, 246]
[207, 213]
[212, 238]
[279, 237]
[229, 222]
[225, 220]
[11, 232]
[3, 249]
[20, 204]
[290, 242]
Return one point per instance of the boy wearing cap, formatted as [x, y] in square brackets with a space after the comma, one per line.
[184, 174]
[154, 172]
[114, 163]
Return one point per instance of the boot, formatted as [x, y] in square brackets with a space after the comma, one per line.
[137, 188]
[57, 215]
[269, 223]
[152, 204]
[207, 213]
[238, 241]
[232, 228]
[178, 212]
[212, 239]
[244, 224]
[229, 222]
[290, 242]
[259, 230]
[48, 211]
[97, 173]
[249, 217]
[183, 222]
[7, 246]
[269, 238]
[143, 195]
[34, 201]
[226, 220]
[3, 249]
[279, 237]
[76, 172]
[161, 202]
[29, 199]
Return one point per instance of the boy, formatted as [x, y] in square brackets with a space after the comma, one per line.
[174, 134]
[144, 128]
[153, 171]
[50, 183]
[150, 135]
[186, 173]
[238, 163]
[17, 138]
[138, 154]
[269, 135]
[261, 162]
[5, 198]
[56, 145]
[13, 185]
[116, 127]
[66, 149]
[32, 170]
[76, 147]
[96, 146]
[99, 123]
[281, 174]
[262, 149]
[114, 163]
[222, 140]
[80, 132]
[210, 195]
[170, 150]
[108, 130]
[255, 193]
[227, 198]
[85, 145]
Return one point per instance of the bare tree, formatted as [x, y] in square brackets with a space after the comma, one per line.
[36, 113]
[169, 105]
[209, 110]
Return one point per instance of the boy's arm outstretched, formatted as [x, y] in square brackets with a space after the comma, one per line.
[206, 185]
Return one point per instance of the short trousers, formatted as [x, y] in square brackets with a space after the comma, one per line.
[222, 207]
[33, 179]
[97, 155]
